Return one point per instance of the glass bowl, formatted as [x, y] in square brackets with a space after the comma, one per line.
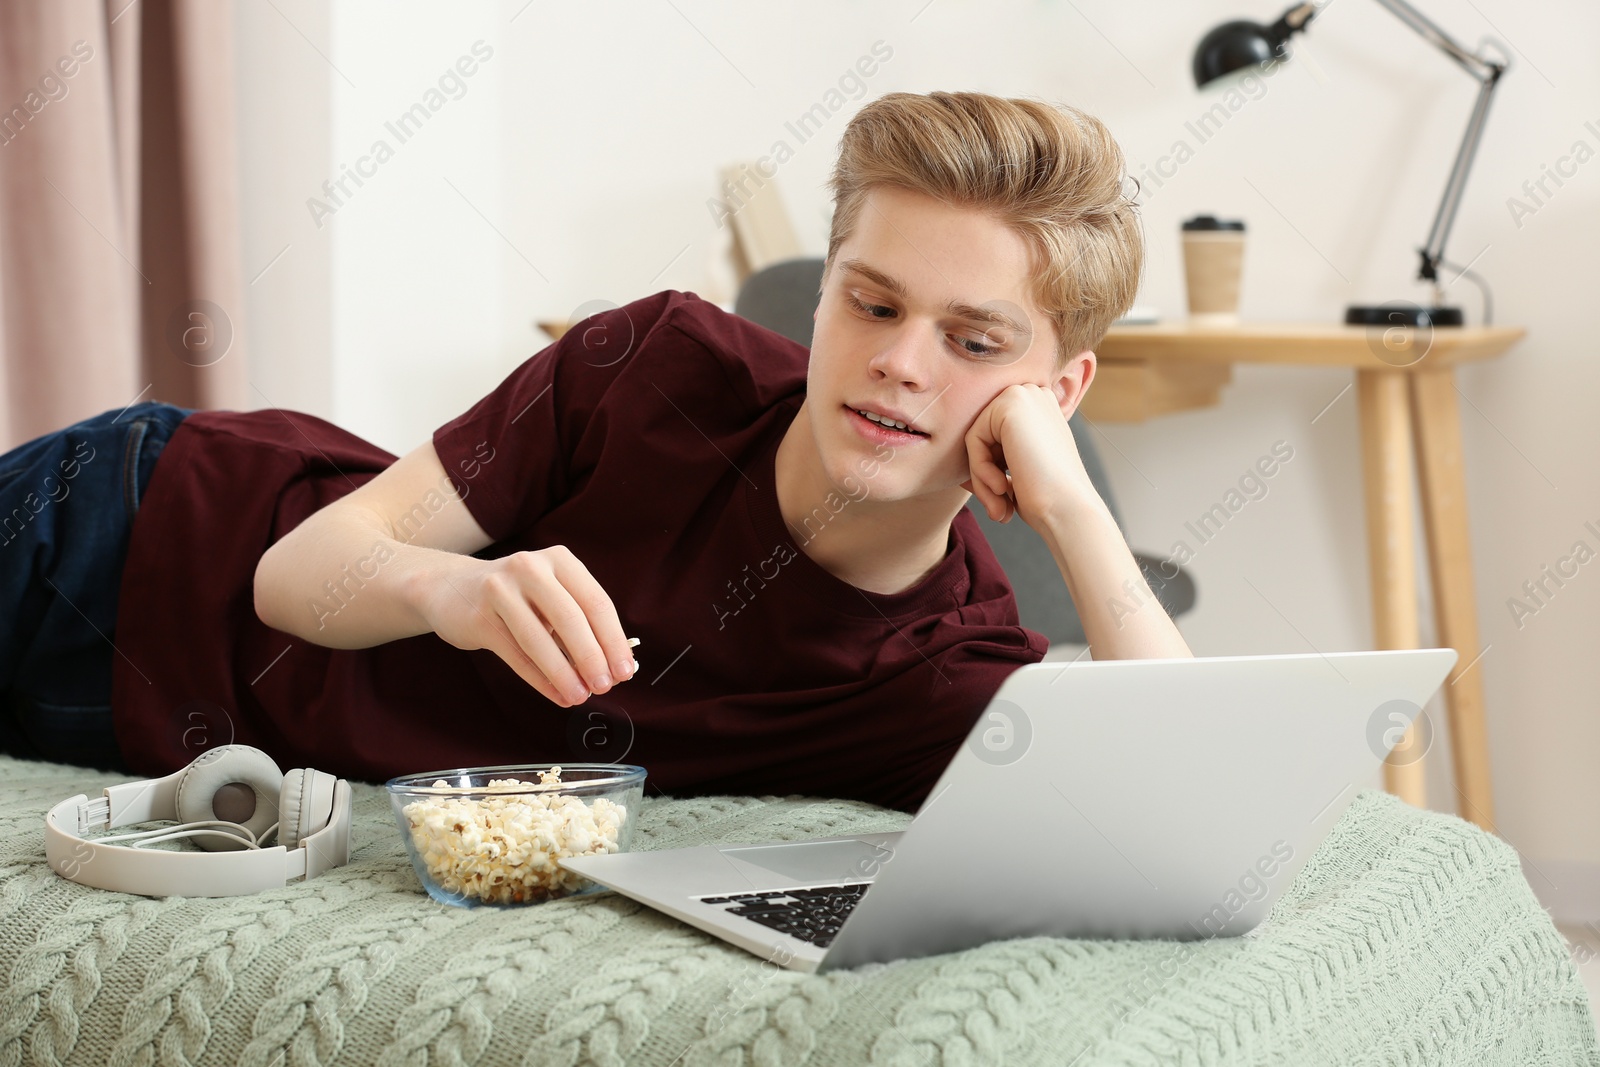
[473, 844]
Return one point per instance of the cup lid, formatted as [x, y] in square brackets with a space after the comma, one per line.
[1211, 222]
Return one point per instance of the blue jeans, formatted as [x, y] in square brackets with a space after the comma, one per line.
[67, 502]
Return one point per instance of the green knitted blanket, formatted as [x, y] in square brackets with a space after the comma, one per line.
[1410, 937]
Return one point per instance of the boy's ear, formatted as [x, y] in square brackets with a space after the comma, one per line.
[1072, 381]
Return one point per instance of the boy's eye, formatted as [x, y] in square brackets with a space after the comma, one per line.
[968, 345]
[976, 348]
[868, 309]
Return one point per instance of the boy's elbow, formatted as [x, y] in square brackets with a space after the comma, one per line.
[262, 591]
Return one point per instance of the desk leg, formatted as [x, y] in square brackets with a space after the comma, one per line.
[1386, 462]
[1436, 424]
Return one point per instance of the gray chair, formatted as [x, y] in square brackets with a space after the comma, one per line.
[782, 297]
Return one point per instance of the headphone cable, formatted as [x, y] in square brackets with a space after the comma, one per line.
[234, 831]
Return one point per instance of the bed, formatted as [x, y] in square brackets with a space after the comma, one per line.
[1410, 937]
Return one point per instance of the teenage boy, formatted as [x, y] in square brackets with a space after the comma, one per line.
[785, 532]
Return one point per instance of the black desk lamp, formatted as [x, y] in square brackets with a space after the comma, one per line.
[1241, 45]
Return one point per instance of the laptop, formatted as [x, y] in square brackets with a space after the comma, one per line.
[1157, 798]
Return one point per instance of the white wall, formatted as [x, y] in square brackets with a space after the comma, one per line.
[284, 145]
[587, 147]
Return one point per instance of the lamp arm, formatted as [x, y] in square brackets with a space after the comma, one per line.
[1474, 64]
[1487, 73]
[1433, 252]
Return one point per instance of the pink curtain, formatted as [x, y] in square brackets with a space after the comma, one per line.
[120, 275]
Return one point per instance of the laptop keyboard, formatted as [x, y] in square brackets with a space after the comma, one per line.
[813, 914]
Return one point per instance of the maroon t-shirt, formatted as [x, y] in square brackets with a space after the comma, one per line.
[644, 442]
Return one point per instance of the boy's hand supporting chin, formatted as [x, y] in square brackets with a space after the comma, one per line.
[1023, 431]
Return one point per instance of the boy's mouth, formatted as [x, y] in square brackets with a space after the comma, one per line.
[884, 423]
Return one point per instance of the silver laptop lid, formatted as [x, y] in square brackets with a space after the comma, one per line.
[1138, 798]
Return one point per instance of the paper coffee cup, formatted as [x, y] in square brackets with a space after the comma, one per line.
[1213, 261]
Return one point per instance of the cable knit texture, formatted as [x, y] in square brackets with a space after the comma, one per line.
[1410, 937]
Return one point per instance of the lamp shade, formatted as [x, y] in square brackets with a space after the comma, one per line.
[1234, 46]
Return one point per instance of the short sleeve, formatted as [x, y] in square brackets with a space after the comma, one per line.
[512, 456]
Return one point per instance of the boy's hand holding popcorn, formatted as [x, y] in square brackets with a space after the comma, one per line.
[541, 612]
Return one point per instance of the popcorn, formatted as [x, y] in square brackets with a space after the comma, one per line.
[503, 850]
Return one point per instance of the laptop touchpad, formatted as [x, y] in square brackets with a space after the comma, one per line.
[817, 861]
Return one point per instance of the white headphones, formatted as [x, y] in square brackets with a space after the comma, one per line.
[230, 799]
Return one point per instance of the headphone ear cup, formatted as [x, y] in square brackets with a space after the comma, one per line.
[306, 805]
[203, 792]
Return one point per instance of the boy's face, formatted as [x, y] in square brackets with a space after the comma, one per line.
[933, 356]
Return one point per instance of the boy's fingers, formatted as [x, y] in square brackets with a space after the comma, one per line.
[983, 468]
[529, 634]
[571, 631]
[505, 646]
[990, 499]
[601, 614]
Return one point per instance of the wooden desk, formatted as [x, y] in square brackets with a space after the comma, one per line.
[1405, 387]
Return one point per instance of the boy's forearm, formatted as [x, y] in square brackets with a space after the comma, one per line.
[1121, 617]
[340, 579]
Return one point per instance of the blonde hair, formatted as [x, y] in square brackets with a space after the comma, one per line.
[1050, 172]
